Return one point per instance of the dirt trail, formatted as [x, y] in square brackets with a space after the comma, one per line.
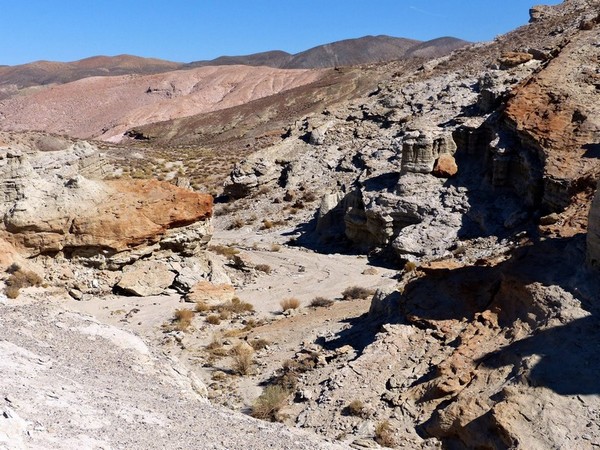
[298, 272]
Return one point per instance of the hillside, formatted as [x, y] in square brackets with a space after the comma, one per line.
[105, 107]
[365, 50]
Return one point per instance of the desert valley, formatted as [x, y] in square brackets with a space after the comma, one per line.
[378, 242]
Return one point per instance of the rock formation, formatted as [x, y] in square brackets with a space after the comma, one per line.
[52, 212]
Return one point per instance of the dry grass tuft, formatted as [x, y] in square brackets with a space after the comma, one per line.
[410, 266]
[20, 278]
[356, 292]
[321, 302]
[234, 306]
[216, 348]
[202, 307]
[263, 268]
[183, 319]
[224, 250]
[270, 402]
[259, 344]
[356, 408]
[242, 359]
[384, 434]
[213, 319]
[237, 223]
[289, 303]
[275, 247]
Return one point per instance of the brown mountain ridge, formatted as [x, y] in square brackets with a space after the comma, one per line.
[364, 50]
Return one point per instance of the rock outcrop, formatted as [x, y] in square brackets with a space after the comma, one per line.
[52, 213]
[422, 148]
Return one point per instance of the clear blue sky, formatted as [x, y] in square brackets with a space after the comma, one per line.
[191, 30]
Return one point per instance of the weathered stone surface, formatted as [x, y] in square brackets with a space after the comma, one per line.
[145, 278]
[420, 149]
[384, 304]
[205, 291]
[555, 118]
[540, 12]
[513, 59]
[59, 210]
[68, 359]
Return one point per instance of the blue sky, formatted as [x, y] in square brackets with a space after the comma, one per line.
[191, 30]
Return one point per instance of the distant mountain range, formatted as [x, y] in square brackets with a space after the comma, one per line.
[349, 52]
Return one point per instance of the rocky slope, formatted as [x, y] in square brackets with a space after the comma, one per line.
[109, 390]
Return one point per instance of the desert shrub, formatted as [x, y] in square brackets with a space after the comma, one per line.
[356, 292]
[251, 323]
[263, 268]
[370, 271]
[237, 223]
[288, 380]
[267, 224]
[289, 303]
[321, 302]
[242, 359]
[224, 250]
[309, 196]
[275, 247]
[290, 371]
[213, 319]
[384, 434]
[356, 408]
[216, 348]
[20, 278]
[202, 307]
[235, 306]
[269, 403]
[183, 319]
[224, 314]
[259, 344]
[410, 266]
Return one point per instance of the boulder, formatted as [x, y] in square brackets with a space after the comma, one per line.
[514, 59]
[445, 166]
[249, 175]
[145, 278]
[205, 291]
[540, 12]
[192, 270]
